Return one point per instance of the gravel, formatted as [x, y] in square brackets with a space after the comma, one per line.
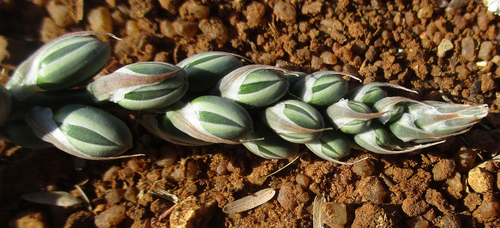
[480, 180]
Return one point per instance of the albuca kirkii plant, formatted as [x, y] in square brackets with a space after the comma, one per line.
[212, 97]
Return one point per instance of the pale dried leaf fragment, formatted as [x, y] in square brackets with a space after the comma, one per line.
[164, 194]
[56, 198]
[317, 213]
[249, 202]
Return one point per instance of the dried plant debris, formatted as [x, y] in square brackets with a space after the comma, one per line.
[249, 202]
[164, 194]
[55, 198]
[317, 212]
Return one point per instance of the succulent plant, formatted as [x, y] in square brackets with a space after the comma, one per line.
[376, 121]
[322, 88]
[145, 85]
[162, 127]
[253, 85]
[369, 94]
[204, 70]
[295, 121]
[82, 131]
[332, 145]
[350, 117]
[211, 119]
[61, 64]
[265, 143]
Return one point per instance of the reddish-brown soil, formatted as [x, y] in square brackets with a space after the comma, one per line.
[394, 41]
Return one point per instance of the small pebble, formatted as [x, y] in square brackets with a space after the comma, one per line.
[316, 63]
[80, 219]
[62, 14]
[488, 210]
[472, 201]
[443, 169]
[455, 183]
[285, 12]
[411, 20]
[334, 214]
[287, 196]
[100, 19]
[186, 29]
[192, 10]
[377, 4]
[444, 46]
[192, 170]
[480, 180]
[167, 29]
[463, 73]
[435, 198]
[132, 28]
[465, 158]
[459, 22]
[118, 18]
[414, 206]
[304, 54]
[486, 50]
[328, 58]
[496, 60]
[438, 37]
[131, 193]
[418, 222]
[364, 168]
[167, 158]
[370, 215]
[111, 174]
[114, 196]
[255, 14]
[425, 12]
[192, 213]
[468, 46]
[302, 180]
[214, 29]
[110, 217]
[30, 219]
[312, 8]
[49, 31]
[482, 20]
[222, 167]
[498, 180]
[449, 220]
[178, 174]
[371, 190]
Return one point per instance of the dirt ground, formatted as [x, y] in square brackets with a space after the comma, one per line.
[444, 51]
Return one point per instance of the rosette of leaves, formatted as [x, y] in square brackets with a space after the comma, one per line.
[253, 85]
[204, 70]
[322, 88]
[392, 107]
[350, 117]
[332, 145]
[61, 64]
[211, 119]
[294, 121]
[378, 139]
[144, 85]
[265, 143]
[433, 121]
[82, 131]
[370, 93]
[162, 127]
